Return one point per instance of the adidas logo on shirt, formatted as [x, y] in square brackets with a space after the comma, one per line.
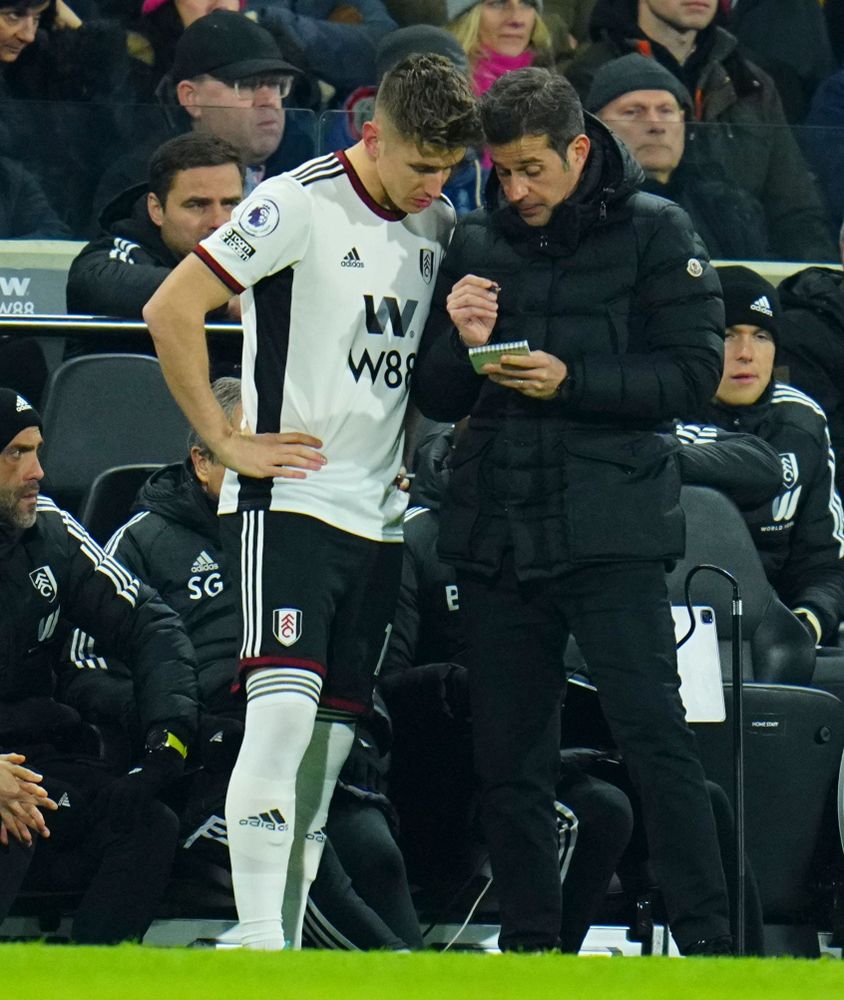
[203, 563]
[762, 305]
[64, 801]
[352, 259]
[272, 820]
[21, 404]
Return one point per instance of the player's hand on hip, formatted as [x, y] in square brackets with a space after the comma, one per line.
[472, 305]
[291, 455]
[538, 375]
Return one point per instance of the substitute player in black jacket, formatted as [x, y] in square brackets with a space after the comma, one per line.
[194, 183]
[51, 573]
[800, 532]
[563, 503]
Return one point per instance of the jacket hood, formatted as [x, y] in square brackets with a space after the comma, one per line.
[126, 216]
[610, 176]
[432, 467]
[175, 493]
[129, 204]
[818, 289]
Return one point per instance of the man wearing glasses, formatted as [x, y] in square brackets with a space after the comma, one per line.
[231, 80]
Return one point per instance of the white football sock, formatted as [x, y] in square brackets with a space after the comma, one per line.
[261, 799]
[327, 752]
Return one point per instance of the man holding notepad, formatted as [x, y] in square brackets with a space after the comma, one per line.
[563, 505]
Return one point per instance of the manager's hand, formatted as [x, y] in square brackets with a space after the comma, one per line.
[538, 375]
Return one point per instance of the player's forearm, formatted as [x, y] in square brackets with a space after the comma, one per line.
[177, 325]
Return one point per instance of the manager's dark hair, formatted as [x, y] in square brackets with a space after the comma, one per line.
[532, 101]
[185, 152]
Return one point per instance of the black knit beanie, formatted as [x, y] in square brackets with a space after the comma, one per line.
[16, 414]
[633, 72]
[750, 299]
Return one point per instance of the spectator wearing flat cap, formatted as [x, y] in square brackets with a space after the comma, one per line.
[229, 79]
[799, 533]
[648, 107]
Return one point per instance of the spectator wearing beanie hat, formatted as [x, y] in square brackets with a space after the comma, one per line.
[800, 532]
[647, 107]
[744, 126]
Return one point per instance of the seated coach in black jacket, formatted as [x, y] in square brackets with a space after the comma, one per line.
[110, 837]
[195, 181]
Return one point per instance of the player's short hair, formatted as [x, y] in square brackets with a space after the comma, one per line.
[227, 393]
[532, 101]
[430, 102]
[185, 152]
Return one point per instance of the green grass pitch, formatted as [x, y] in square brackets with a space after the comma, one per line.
[44, 972]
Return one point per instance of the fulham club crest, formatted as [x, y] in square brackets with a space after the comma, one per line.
[44, 582]
[426, 265]
[287, 625]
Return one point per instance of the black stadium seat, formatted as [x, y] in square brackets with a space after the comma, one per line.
[103, 410]
[107, 502]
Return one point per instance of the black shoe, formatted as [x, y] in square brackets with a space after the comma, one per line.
[711, 946]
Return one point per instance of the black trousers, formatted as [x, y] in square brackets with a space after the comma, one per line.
[517, 632]
[121, 874]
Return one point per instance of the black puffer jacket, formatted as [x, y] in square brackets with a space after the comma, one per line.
[173, 543]
[616, 286]
[756, 146]
[54, 573]
[800, 533]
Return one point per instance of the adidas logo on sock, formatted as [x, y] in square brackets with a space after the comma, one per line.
[64, 801]
[352, 259]
[203, 563]
[762, 305]
[272, 820]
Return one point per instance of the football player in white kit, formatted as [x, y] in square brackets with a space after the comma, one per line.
[335, 263]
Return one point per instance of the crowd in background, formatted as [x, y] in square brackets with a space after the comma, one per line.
[88, 90]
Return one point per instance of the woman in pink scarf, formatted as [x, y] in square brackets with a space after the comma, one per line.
[499, 36]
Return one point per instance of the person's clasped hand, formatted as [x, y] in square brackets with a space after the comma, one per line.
[21, 800]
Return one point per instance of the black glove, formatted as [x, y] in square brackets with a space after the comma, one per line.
[127, 798]
[219, 742]
[365, 768]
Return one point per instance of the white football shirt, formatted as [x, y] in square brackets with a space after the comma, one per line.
[335, 293]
